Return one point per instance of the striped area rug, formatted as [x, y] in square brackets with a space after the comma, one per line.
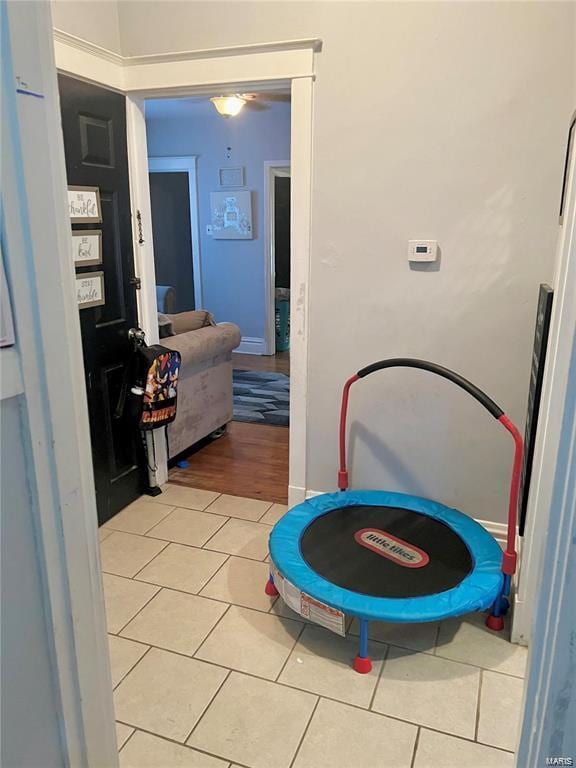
[261, 398]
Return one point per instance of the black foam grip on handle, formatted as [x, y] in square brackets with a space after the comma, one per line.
[446, 373]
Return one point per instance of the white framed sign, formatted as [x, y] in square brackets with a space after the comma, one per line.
[87, 247]
[231, 177]
[90, 289]
[84, 205]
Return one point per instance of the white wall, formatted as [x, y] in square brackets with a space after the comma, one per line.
[94, 20]
[232, 270]
[441, 120]
[30, 728]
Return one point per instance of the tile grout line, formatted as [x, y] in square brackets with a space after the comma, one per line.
[260, 501]
[195, 546]
[122, 575]
[208, 635]
[217, 571]
[197, 594]
[331, 698]
[384, 660]
[136, 614]
[270, 612]
[266, 511]
[205, 710]
[109, 527]
[134, 730]
[222, 524]
[416, 740]
[150, 561]
[305, 730]
[125, 675]
[140, 729]
[290, 652]
[436, 638]
[478, 705]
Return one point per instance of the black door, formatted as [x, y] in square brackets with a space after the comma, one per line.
[94, 126]
[170, 201]
[282, 230]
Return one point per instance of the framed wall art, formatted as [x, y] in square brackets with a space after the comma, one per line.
[231, 177]
[231, 215]
[90, 289]
[87, 247]
[84, 205]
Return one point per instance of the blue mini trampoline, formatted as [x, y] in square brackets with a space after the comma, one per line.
[383, 556]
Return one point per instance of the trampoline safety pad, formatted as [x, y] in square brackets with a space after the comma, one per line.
[386, 556]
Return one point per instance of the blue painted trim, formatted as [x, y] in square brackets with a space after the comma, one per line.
[24, 92]
[476, 592]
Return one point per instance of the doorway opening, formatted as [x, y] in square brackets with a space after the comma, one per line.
[220, 215]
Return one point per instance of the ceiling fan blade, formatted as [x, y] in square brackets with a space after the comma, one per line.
[283, 97]
[256, 106]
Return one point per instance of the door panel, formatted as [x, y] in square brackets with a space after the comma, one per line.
[170, 201]
[94, 127]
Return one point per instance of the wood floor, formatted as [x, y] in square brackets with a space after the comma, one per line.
[278, 363]
[250, 460]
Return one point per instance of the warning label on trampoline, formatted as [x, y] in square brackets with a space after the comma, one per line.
[307, 606]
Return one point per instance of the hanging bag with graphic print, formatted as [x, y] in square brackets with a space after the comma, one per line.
[152, 379]
[159, 369]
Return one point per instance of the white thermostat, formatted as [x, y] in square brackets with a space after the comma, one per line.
[422, 250]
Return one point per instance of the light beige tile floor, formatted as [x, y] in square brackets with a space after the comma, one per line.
[175, 621]
[241, 537]
[188, 526]
[212, 673]
[185, 568]
[124, 654]
[239, 582]
[241, 632]
[236, 506]
[138, 517]
[274, 514]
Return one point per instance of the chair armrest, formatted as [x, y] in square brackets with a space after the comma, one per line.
[204, 343]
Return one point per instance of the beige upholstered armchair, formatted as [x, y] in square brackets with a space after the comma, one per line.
[205, 382]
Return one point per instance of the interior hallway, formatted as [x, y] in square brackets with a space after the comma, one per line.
[249, 460]
[210, 672]
[278, 363]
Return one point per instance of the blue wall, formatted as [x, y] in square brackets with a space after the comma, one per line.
[232, 270]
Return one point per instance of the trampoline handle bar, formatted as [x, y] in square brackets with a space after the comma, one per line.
[509, 557]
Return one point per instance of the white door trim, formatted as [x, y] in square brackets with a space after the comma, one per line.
[143, 249]
[189, 165]
[59, 467]
[250, 67]
[272, 168]
[259, 63]
[547, 444]
[181, 74]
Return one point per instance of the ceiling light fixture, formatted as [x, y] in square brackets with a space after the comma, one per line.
[228, 106]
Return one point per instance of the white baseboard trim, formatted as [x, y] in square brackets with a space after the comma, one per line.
[297, 495]
[498, 530]
[251, 345]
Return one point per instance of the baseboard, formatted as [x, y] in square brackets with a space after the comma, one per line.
[297, 495]
[498, 530]
[251, 345]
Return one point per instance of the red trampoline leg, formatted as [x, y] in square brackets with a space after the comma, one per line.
[270, 589]
[495, 623]
[362, 663]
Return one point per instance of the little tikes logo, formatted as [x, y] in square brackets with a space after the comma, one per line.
[392, 547]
